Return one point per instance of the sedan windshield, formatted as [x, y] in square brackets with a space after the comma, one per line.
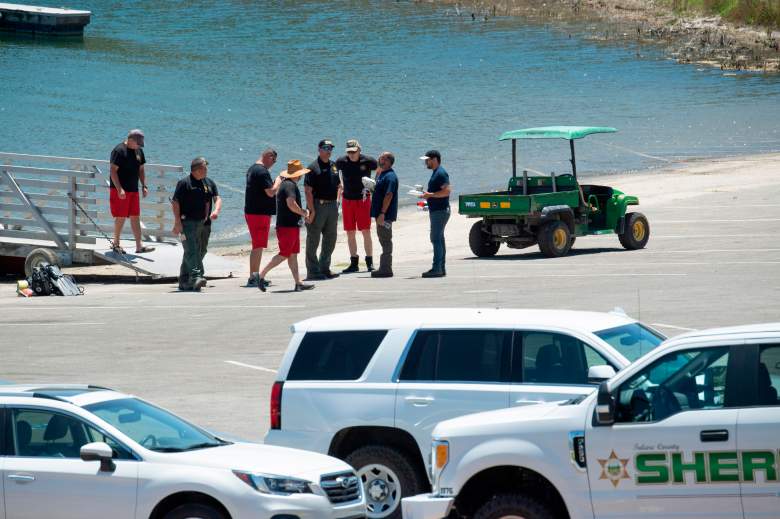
[631, 340]
[152, 427]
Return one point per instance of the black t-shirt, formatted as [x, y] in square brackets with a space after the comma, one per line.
[258, 179]
[323, 179]
[196, 198]
[353, 172]
[129, 163]
[285, 217]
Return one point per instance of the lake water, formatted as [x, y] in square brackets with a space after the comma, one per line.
[226, 79]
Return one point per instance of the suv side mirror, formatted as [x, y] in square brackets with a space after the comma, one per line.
[99, 451]
[605, 405]
[598, 374]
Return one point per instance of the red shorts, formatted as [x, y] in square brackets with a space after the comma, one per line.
[130, 206]
[356, 214]
[289, 240]
[259, 225]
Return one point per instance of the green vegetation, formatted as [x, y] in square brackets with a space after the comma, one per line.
[752, 12]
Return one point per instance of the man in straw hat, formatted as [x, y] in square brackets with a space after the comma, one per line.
[288, 224]
[195, 204]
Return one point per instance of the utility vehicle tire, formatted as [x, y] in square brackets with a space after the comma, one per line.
[513, 506]
[38, 256]
[554, 239]
[387, 476]
[195, 511]
[481, 244]
[636, 232]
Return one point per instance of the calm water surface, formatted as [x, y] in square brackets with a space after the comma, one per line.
[226, 79]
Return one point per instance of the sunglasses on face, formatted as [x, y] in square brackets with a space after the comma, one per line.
[327, 148]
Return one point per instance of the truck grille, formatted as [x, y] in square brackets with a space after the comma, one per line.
[343, 487]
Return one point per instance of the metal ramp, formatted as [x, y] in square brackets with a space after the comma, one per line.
[61, 204]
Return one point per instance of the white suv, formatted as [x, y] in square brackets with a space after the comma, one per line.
[690, 430]
[368, 387]
[84, 452]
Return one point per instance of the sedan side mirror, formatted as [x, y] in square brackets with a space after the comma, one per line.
[605, 405]
[598, 374]
[99, 451]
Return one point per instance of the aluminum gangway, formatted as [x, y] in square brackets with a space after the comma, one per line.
[57, 208]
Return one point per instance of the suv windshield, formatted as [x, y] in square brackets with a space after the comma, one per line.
[152, 427]
[631, 340]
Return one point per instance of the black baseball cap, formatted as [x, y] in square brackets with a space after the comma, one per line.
[431, 154]
[325, 142]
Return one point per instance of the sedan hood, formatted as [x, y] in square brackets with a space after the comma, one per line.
[253, 457]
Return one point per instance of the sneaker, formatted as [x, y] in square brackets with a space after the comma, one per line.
[381, 274]
[331, 275]
[433, 274]
[262, 284]
[251, 282]
[198, 284]
[300, 287]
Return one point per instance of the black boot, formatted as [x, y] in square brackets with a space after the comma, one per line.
[353, 265]
[370, 263]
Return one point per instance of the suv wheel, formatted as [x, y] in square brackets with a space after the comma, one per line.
[636, 232]
[194, 511]
[480, 243]
[387, 475]
[513, 506]
[554, 239]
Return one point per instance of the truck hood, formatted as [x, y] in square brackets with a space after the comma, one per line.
[508, 421]
[255, 458]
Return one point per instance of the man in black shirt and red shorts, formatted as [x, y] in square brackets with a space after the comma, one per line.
[356, 202]
[259, 207]
[127, 168]
[289, 216]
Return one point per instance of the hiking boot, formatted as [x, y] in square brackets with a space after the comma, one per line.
[262, 284]
[198, 284]
[370, 263]
[252, 281]
[433, 274]
[382, 274]
[331, 275]
[316, 277]
[300, 287]
[353, 265]
[185, 288]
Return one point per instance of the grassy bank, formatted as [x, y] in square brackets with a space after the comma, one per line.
[764, 13]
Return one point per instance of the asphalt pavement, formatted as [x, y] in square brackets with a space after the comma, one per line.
[712, 260]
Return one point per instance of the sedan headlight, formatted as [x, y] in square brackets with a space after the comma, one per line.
[440, 456]
[270, 484]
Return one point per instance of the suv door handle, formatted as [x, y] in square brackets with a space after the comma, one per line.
[528, 402]
[720, 435]
[419, 401]
[21, 478]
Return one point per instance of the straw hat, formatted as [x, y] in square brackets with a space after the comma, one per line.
[294, 170]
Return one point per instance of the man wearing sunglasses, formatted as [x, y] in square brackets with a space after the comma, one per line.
[356, 204]
[323, 190]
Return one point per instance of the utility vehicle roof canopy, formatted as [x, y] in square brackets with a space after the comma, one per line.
[556, 132]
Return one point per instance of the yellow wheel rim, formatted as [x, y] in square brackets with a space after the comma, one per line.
[639, 230]
[559, 238]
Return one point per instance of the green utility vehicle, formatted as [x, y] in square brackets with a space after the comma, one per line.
[551, 210]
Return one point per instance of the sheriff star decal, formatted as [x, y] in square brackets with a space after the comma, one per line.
[614, 469]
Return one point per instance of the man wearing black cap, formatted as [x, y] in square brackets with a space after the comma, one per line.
[438, 197]
[323, 190]
[196, 202]
[127, 168]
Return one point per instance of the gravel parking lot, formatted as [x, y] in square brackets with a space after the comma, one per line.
[713, 260]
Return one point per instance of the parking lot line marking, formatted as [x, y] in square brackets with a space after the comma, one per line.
[159, 307]
[741, 220]
[610, 274]
[702, 251]
[50, 324]
[259, 368]
[683, 328]
[480, 291]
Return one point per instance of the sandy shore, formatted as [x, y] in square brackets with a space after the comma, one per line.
[687, 38]
[661, 187]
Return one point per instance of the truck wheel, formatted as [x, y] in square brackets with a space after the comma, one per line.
[554, 239]
[194, 511]
[513, 506]
[387, 475]
[481, 244]
[39, 256]
[636, 232]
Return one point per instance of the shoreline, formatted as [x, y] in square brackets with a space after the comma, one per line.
[686, 37]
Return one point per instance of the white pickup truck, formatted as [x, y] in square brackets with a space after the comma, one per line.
[368, 387]
[689, 430]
